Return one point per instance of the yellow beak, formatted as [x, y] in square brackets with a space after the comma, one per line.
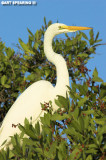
[75, 28]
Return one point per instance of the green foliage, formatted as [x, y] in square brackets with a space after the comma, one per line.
[77, 129]
[95, 76]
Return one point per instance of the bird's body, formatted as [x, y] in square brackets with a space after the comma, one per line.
[29, 102]
[24, 108]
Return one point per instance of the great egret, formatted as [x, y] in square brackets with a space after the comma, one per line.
[29, 103]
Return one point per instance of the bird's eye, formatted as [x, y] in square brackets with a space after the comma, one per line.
[60, 27]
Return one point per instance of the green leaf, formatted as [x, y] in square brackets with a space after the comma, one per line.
[104, 99]
[103, 91]
[104, 147]
[28, 142]
[88, 112]
[3, 79]
[4, 142]
[61, 101]
[58, 117]
[37, 127]
[45, 20]
[30, 32]
[36, 45]
[97, 79]
[70, 58]
[11, 154]
[100, 121]
[26, 122]
[76, 113]
[81, 122]
[75, 124]
[47, 72]
[83, 55]
[95, 89]
[53, 148]
[7, 86]
[60, 156]
[37, 36]
[92, 146]
[95, 73]
[99, 40]
[95, 76]
[21, 128]
[100, 139]
[82, 101]
[83, 88]
[91, 41]
[30, 133]
[9, 52]
[25, 47]
[31, 77]
[47, 118]
[86, 122]
[91, 151]
[73, 94]
[89, 157]
[73, 155]
[84, 35]
[73, 133]
[96, 36]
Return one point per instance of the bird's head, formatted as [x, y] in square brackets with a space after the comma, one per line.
[55, 29]
[58, 28]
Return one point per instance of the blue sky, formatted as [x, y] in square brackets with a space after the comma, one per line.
[14, 21]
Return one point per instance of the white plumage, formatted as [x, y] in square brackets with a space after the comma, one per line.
[29, 102]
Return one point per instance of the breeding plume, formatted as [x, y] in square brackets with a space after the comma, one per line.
[29, 102]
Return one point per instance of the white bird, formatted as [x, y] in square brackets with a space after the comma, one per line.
[29, 102]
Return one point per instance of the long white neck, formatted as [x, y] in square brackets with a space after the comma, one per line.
[58, 61]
